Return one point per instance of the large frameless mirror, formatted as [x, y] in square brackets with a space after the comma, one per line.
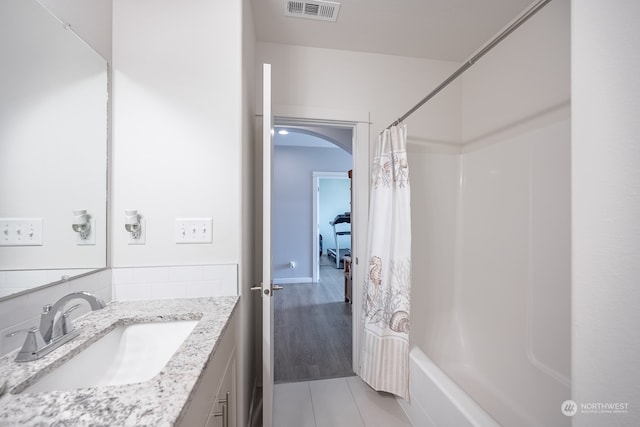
[53, 150]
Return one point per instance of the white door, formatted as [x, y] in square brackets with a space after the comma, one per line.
[267, 282]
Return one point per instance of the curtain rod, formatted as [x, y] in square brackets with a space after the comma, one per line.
[493, 43]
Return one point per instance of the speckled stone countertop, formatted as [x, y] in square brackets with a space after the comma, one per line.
[157, 402]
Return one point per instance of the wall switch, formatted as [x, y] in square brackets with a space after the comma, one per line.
[91, 237]
[194, 230]
[20, 231]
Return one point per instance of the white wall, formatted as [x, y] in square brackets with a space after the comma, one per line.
[292, 195]
[183, 85]
[385, 86]
[177, 127]
[502, 94]
[606, 208]
[91, 20]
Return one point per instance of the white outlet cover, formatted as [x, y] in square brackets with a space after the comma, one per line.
[91, 238]
[142, 240]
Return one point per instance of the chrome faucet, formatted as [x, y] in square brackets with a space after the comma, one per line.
[61, 327]
[54, 330]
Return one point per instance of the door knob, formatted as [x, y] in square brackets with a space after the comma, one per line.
[259, 288]
[266, 291]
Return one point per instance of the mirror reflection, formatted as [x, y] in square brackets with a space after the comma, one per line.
[53, 147]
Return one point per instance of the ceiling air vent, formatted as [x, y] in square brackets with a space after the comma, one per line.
[319, 10]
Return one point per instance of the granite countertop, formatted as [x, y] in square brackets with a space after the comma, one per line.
[157, 402]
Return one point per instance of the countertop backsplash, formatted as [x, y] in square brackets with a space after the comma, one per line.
[191, 281]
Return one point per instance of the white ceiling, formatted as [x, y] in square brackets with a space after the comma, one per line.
[437, 29]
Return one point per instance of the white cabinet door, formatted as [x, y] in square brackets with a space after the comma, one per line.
[223, 410]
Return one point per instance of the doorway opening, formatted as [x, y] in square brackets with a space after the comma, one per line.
[331, 194]
[312, 316]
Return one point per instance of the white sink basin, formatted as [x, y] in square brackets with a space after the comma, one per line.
[128, 354]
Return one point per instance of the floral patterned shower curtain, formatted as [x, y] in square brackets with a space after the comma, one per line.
[384, 358]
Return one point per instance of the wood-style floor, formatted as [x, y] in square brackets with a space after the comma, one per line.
[312, 329]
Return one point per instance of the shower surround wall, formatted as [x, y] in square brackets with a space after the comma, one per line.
[492, 231]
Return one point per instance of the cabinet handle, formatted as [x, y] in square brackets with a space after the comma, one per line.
[225, 411]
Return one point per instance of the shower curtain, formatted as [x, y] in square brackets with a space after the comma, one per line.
[384, 361]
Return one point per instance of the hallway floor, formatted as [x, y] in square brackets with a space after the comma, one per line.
[337, 402]
[312, 329]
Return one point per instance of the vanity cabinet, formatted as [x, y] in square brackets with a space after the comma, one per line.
[213, 404]
[223, 409]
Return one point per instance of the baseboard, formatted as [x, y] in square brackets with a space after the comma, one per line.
[289, 280]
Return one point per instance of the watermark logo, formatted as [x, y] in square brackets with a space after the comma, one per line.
[569, 408]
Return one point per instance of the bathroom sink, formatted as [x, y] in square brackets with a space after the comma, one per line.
[129, 354]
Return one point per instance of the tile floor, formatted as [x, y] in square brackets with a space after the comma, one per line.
[337, 402]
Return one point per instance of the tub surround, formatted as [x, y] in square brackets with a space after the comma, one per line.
[436, 400]
[159, 401]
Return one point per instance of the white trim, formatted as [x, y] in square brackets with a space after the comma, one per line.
[359, 226]
[318, 116]
[290, 280]
[267, 273]
[315, 213]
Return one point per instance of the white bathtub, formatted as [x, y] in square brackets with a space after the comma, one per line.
[436, 401]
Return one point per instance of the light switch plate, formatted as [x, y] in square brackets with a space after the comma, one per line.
[194, 230]
[20, 231]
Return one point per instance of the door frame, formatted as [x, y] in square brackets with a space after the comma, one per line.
[317, 176]
[360, 124]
